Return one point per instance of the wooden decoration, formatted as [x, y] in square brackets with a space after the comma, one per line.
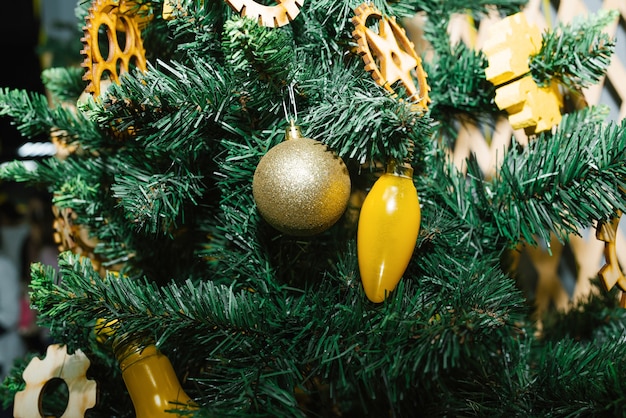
[57, 364]
[271, 16]
[71, 236]
[389, 55]
[168, 9]
[611, 273]
[511, 41]
[488, 145]
[111, 17]
[531, 107]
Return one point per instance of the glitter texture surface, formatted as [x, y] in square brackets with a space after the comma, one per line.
[301, 187]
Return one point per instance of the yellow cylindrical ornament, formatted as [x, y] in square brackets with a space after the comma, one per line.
[151, 381]
[387, 232]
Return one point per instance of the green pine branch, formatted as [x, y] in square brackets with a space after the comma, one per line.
[194, 31]
[288, 338]
[64, 84]
[33, 116]
[155, 202]
[478, 8]
[337, 112]
[259, 52]
[459, 89]
[561, 182]
[174, 113]
[575, 54]
[585, 374]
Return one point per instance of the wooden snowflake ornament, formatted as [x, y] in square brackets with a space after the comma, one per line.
[57, 364]
[71, 236]
[389, 55]
[611, 273]
[168, 9]
[508, 47]
[271, 16]
[120, 22]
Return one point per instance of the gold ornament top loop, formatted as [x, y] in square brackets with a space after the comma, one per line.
[271, 16]
[292, 101]
[394, 58]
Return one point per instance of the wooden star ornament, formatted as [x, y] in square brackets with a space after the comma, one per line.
[389, 55]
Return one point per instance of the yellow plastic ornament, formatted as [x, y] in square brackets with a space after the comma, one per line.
[152, 382]
[148, 374]
[388, 227]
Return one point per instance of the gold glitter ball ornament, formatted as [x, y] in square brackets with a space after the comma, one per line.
[300, 186]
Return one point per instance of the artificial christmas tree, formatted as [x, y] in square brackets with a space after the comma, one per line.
[157, 178]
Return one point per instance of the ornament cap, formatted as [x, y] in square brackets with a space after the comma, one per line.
[293, 131]
[399, 168]
[129, 352]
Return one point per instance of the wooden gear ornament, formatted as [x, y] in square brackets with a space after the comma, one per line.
[611, 273]
[508, 47]
[71, 236]
[120, 21]
[168, 9]
[389, 55]
[58, 364]
[271, 16]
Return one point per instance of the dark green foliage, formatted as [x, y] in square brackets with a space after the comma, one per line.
[576, 55]
[460, 91]
[260, 324]
[64, 84]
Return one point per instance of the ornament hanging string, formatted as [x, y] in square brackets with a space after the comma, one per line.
[300, 186]
[292, 101]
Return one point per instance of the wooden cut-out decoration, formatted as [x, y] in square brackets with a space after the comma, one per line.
[168, 9]
[120, 22]
[71, 236]
[271, 16]
[389, 55]
[611, 273]
[72, 369]
[508, 47]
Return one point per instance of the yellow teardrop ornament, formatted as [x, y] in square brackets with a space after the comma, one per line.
[388, 227]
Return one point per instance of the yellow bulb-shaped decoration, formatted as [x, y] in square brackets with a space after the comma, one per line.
[148, 374]
[387, 232]
[152, 382]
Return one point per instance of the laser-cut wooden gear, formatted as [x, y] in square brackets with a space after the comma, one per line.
[168, 9]
[611, 273]
[389, 55]
[510, 44]
[271, 16]
[118, 20]
[72, 369]
[70, 236]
